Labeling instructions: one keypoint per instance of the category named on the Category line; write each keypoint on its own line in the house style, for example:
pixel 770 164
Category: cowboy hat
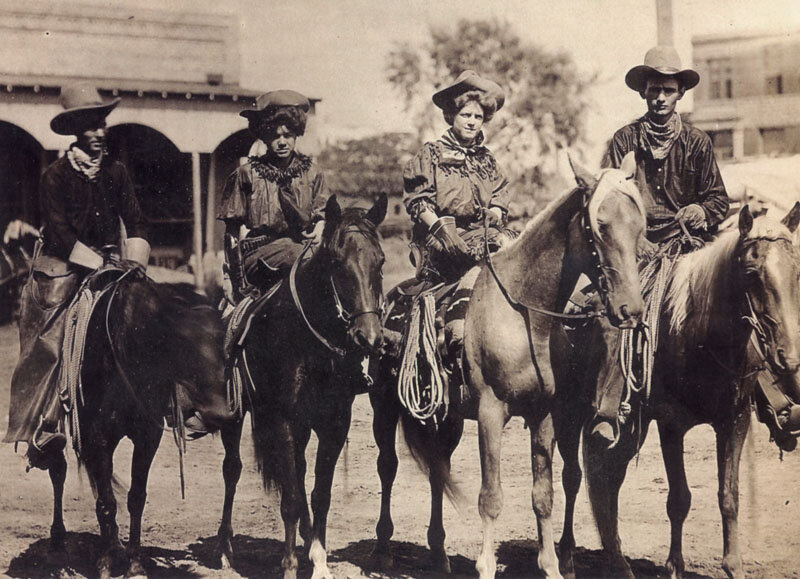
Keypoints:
pixel 80 101
pixel 664 61
pixel 277 99
pixel 467 81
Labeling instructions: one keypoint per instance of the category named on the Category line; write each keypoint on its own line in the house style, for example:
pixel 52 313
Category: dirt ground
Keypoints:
pixel 179 534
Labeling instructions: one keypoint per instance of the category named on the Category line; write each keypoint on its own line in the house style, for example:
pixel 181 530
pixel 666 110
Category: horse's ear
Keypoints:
pixel 378 211
pixel 745 221
pixel 584 179
pixel 792 218
pixel 628 165
pixel 333 214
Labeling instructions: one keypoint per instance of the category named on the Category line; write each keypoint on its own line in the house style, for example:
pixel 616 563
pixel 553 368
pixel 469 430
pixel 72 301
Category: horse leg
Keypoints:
pixel 231 433
pixel 144 450
pixel 386 412
pixel 58 474
pixel 730 441
pixel 447 438
pixel 568 438
pixel 491 420
pixel 679 499
pixel 100 466
pixel 331 442
pixel 302 437
pixel 542 445
pixel 284 445
pixel 605 473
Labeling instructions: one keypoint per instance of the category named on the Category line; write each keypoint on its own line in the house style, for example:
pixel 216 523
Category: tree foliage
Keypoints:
pixel 546 96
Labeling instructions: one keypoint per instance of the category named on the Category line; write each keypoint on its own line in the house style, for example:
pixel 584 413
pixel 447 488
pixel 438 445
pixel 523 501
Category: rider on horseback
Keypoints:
pixel 676 173
pixel 453 186
pixel 272 203
pixel 84 197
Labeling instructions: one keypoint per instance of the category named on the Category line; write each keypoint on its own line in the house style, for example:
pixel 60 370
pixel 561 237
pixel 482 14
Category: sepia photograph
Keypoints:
pixel 400 289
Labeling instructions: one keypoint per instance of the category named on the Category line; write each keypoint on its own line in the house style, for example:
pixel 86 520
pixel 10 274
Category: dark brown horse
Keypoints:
pixel 730 313
pixel 145 342
pixel 304 354
pixel 594 229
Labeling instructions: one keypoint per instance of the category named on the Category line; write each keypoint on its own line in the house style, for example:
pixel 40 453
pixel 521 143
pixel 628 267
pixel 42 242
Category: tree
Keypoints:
pixel 546 96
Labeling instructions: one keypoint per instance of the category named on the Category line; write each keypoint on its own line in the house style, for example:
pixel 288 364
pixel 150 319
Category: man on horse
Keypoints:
pixel 88 202
pixel 678 177
pixel 273 203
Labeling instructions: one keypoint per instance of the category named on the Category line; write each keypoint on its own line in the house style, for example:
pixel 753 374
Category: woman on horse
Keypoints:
pixel 453 184
pixel 84 198
pixel 272 203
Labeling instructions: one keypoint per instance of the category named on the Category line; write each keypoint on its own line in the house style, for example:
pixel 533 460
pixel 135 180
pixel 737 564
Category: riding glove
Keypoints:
pixel 444 231
pixel 693 216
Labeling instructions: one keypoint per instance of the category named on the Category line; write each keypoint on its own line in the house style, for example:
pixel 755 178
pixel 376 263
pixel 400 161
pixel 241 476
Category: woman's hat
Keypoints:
pixel 664 61
pixel 80 101
pixel 467 81
pixel 277 99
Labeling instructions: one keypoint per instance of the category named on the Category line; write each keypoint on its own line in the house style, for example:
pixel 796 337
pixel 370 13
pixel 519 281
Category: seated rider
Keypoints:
pixel 273 203
pixel 84 196
pixel 676 171
pixel 453 184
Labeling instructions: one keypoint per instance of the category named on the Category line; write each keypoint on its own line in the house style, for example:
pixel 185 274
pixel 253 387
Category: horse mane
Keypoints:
pixel 599 195
pixel 707 272
pixel 353 218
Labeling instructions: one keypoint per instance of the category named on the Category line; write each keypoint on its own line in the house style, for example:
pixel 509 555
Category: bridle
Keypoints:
pixel 599 267
pixel 349 318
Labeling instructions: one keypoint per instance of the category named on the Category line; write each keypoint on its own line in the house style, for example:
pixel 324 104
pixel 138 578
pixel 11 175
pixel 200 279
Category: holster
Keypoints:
pixel 233 256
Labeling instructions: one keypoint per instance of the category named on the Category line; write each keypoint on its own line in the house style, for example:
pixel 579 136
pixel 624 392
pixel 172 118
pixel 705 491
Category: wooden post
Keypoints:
pixel 211 204
pixel 666 36
pixel 197 218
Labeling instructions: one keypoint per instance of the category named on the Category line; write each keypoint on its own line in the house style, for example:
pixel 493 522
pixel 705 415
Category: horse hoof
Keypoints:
pixel 135 570
pixel 440 563
pixel 225 562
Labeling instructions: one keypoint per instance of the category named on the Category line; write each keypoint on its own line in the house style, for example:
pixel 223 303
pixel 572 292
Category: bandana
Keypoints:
pixel 658 139
pixel 454 153
pixel 87 166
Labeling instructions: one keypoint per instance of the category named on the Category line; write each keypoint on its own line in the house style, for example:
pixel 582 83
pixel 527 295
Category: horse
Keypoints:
pixel 303 354
pixel 730 313
pixel 148 347
pixel 593 228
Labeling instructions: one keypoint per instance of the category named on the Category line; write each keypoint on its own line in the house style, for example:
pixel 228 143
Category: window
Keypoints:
pixel 723 143
pixel 720 78
pixel 775 84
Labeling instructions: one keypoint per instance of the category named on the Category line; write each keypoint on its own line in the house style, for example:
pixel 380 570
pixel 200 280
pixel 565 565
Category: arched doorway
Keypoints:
pixel 22 161
pixel 224 160
pixel 162 176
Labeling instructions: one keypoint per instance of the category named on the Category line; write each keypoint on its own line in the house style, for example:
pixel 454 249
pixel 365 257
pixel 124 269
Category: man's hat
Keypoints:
pixel 277 99
pixel 467 81
pixel 661 60
pixel 80 100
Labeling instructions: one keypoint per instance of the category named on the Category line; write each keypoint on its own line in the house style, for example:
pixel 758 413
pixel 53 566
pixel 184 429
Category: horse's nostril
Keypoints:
pixel 623 310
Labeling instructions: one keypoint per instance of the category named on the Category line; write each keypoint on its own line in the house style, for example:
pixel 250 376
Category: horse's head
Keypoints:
pixel 769 268
pixel 613 221
pixel 350 241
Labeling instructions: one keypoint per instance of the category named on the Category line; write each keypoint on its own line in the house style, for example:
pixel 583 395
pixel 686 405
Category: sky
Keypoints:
pixel 337 50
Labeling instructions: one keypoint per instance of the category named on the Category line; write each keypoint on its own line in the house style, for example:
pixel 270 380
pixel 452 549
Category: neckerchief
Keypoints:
pixel 454 153
pixel 84 164
pixel 658 139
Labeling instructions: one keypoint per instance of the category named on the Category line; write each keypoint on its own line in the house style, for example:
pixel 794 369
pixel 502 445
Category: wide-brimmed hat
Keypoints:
pixel 467 81
pixel 277 99
pixel 80 100
pixel 661 60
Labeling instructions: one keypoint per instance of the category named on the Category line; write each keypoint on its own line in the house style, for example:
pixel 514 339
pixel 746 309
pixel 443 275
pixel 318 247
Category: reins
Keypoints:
pixel 521 306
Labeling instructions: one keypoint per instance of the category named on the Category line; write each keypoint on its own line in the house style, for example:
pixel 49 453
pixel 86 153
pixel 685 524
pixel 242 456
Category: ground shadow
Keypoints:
pixel 410 560
pixel 251 557
pixel 80 556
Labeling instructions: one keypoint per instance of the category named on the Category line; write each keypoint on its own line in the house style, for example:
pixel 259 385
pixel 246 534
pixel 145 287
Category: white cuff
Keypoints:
pixel 84 255
pixel 138 250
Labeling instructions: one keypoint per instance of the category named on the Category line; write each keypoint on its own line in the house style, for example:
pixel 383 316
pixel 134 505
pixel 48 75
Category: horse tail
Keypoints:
pixel 431 447
pixel 267 451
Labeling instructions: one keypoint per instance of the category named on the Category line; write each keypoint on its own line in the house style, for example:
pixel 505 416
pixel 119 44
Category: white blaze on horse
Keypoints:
pixel 730 320
pixel 515 304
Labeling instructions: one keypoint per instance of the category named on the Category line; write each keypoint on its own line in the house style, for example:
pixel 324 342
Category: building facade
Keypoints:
pixel 177 127
pixel 749 97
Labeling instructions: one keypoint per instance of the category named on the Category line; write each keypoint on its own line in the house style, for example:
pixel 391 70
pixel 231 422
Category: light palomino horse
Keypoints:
pixel 507 356
pixel 705 371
